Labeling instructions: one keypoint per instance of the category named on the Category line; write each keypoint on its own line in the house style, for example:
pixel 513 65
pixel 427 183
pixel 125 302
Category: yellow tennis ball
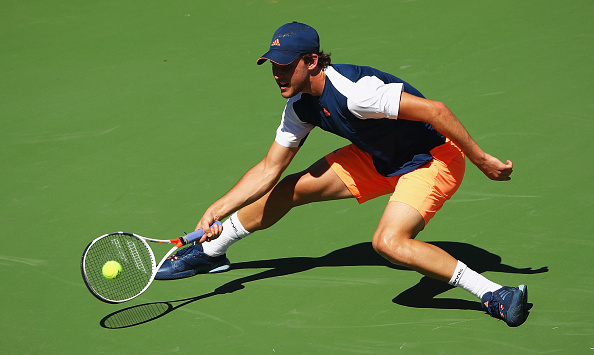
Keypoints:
pixel 112 270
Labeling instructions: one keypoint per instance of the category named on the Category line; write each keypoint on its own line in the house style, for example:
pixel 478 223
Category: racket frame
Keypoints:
pixel 179 242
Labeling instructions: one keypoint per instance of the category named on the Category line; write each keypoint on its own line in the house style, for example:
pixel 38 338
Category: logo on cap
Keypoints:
pixel 276 43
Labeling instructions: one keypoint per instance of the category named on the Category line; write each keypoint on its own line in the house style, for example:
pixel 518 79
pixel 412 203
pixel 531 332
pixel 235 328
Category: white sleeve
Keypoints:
pixel 292 131
pixel 372 98
pixel 369 97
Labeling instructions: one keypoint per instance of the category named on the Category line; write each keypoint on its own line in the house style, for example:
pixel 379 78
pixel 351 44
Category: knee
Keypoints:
pixel 394 248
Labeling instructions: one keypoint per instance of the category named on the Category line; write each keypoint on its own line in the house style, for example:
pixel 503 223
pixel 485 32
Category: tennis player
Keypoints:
pixel 402 144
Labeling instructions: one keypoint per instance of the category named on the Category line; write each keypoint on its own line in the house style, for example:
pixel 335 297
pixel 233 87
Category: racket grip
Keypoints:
pixel 195 235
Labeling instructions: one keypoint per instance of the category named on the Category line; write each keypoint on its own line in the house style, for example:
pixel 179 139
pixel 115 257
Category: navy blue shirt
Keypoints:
pixel 361 104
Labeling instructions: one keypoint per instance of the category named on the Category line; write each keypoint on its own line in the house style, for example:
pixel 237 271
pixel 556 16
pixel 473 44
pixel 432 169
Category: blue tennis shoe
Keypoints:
pixel 508 303
pixel 191 261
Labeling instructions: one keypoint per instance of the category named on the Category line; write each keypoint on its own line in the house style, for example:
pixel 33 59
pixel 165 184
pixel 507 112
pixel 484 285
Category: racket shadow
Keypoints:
pixel 421 295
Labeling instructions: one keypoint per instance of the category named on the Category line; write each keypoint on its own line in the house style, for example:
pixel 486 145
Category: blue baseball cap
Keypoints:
pixel 290 41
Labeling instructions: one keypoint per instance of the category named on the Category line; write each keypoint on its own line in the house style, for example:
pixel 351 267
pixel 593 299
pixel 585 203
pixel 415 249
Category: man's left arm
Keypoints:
pixel 444 121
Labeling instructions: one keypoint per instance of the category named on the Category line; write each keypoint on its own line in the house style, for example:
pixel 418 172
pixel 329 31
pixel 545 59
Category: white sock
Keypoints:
pixel 472 281
pixel 233 231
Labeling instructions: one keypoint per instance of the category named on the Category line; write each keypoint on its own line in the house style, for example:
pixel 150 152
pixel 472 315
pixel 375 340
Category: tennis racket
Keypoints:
pixel 137 262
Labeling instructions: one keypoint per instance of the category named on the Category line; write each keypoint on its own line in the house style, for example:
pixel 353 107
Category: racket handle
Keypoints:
pixel 195 235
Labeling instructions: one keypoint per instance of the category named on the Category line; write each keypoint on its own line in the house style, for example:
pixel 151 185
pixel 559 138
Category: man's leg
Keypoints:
pixel 317 183
pixel 394 240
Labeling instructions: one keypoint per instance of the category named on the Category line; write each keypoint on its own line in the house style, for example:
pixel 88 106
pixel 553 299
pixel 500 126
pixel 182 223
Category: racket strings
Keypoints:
pixel 131 253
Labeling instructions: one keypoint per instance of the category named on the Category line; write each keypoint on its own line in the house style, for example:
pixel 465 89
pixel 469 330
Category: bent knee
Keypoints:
pixel 393 248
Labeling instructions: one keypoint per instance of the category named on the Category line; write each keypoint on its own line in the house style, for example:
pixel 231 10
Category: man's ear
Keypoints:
pixel 314 62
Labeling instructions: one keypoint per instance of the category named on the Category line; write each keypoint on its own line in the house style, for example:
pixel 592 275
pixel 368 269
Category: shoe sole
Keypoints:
pixel 192 272
pixel 221 268
pixel 216 270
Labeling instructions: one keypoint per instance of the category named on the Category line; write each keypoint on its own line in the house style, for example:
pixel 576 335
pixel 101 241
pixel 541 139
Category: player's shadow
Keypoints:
pixel 422 295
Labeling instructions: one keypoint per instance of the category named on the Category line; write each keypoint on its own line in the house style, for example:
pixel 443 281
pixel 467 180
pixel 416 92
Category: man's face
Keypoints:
pixel 291 78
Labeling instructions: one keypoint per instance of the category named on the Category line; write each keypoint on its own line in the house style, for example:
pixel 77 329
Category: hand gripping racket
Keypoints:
pixel 137 261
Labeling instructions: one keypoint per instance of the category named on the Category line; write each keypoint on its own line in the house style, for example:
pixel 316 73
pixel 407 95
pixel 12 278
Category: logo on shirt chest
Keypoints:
pixel 326 113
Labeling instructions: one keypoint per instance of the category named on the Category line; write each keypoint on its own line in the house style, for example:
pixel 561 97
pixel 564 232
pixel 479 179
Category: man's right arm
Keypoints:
pixel 254 184
pixel 445 122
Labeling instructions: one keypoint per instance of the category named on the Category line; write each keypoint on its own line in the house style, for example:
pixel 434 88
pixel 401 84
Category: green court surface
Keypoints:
pixel 136 115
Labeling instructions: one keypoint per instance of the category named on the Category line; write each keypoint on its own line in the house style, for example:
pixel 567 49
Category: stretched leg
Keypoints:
pixel 317 183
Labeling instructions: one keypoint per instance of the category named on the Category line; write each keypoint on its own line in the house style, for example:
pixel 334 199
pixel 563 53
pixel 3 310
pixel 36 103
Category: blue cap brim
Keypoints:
pixel 278 57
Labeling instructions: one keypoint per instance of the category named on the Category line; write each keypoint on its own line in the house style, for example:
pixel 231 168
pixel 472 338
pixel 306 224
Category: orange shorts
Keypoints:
pixel 426 189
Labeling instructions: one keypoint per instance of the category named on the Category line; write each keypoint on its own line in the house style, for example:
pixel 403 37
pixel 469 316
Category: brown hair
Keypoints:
pixel 324 59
